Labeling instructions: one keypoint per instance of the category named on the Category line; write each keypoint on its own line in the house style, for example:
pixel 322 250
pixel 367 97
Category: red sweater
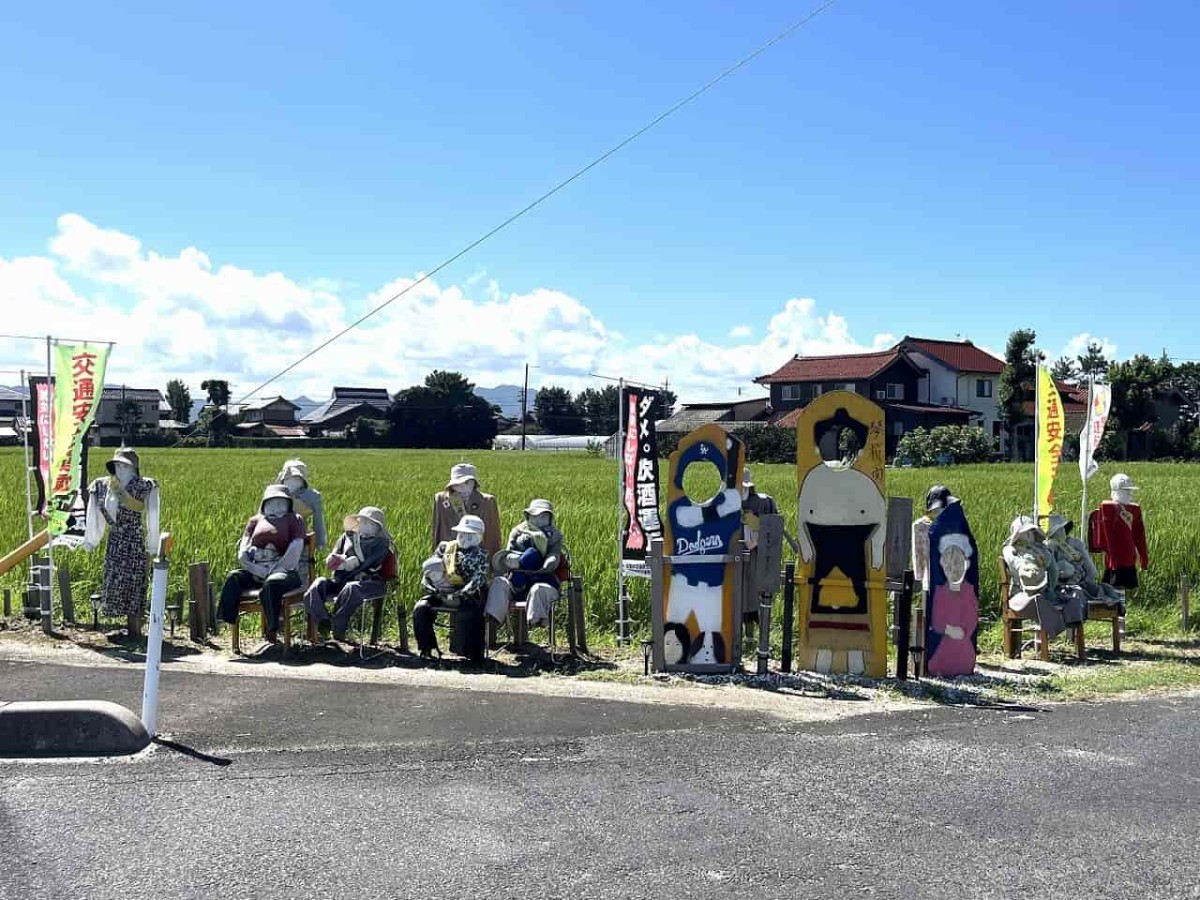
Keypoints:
pixel 1119 532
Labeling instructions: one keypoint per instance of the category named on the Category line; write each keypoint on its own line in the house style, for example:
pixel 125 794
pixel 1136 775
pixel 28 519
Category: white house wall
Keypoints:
pixel 948 387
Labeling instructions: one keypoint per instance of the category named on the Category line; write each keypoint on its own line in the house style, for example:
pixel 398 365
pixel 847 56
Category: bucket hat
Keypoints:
pixel 461 474
pixel 124 455
pixel 470 525
pixel 537 507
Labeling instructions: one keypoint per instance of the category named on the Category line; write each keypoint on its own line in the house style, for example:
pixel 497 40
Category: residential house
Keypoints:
pixel 736 414
pixel 345 407
pixel 961 375
pixel 891 378
pixel 273 418
pixel 144 411
pixel 11 415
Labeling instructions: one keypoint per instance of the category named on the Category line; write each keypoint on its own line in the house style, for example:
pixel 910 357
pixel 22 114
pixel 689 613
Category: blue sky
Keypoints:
pixel 929 169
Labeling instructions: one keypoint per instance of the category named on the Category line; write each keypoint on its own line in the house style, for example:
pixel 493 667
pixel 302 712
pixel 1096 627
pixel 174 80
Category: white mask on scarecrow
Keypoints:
pixel 368 528
pixel 124 473
pixel 276 507
pixel 294 484
pixel 541 520
pixel 469 541
pixel 464 488
pixel 955 552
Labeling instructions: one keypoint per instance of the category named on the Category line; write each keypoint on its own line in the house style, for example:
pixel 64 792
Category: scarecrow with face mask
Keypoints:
pixel 118 503
pixel 455 577
pixel 269 555
pixel 306 499
pixel 528 566
pixel 1076 570
pixel 462 497
pixel 1033 578
pixel 356 563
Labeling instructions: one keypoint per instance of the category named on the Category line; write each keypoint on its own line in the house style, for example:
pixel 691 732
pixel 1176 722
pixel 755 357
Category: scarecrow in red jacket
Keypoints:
pixel 1118 531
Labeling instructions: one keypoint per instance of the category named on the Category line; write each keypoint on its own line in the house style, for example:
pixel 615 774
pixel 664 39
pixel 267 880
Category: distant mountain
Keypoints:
pixel 306 404
pixel 505 396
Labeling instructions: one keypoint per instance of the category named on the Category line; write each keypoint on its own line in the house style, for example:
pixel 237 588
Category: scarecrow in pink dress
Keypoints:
pixel 953 613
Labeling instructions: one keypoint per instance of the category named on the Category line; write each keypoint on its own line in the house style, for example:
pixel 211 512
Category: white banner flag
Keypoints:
pixel 1093 430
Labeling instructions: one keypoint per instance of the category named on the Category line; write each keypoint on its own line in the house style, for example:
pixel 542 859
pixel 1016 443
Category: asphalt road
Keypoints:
pixel 298 789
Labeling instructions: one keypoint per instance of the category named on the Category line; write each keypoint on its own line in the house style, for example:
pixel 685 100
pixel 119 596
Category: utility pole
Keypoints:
pixel 524 405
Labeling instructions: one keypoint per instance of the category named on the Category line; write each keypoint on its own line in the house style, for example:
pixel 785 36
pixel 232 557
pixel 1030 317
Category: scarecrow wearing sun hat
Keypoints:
pixel 306 498
pixel 462 497
pixel 1033 576
pixel 528 566
pixel 455 577
pixel 127 506
pixel 356 566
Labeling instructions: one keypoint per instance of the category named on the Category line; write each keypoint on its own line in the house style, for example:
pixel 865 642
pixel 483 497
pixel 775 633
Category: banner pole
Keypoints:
pixel 621 425
pixel 1037 436
pixel 48 596
pixel 1083 471
pixel 26 392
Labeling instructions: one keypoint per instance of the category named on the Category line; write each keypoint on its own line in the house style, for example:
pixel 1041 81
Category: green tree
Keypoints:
pixel 128 415
pixel 600 409
pixel 1092 361
pixel 556 411
pixel 444 412
pixel 1064 369
pixel 665 405
pixel 218 392
pixel 179 398
pixel 1017 383
pixel 1135 385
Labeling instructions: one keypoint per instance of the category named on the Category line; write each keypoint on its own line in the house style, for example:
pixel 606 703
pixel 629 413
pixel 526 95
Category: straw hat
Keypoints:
pixel 537 507
pixel 372 514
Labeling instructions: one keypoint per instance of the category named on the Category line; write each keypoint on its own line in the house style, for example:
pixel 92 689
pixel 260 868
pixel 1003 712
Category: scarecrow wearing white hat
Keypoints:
pixel 1033 578
pixel 1118 531
pixel 118 503
pixel 455 577
pixel 1076 570
pixel 307 499
pixel 462 497
pixel 269 556
pixel 356 564
pixel 527 566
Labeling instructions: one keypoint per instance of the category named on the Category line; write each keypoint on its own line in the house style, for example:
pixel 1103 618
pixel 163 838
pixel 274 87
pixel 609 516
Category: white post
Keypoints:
pixel 1083 506
pixel 621 610
pixel 158 603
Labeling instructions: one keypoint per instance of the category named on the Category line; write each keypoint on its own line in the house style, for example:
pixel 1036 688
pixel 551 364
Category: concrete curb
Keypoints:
pixel 69 728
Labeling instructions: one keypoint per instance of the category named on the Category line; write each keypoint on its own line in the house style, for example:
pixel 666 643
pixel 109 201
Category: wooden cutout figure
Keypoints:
pixel 840 578
pixel 699 631
pixel 952 604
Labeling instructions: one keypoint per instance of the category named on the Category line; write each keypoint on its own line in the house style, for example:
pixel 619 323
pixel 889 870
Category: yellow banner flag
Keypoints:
pixel 1051 428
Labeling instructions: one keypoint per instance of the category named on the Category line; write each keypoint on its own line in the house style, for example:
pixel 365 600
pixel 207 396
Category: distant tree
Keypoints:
pixel 556 411
pixel 444 412
pixel 1135 385
pixel 179 398
pixel 1093 361
pixel 1064 369
pixel 600 409
pixel 1017 382
pixel 665 405
pixel 128 415
pixel 218 392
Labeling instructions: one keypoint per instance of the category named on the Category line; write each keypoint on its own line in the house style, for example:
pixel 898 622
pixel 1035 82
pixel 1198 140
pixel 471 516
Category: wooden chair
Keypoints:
pixel 1012 625
pixel 570 593
pixel 292 600
pixel 1110 614
pixel 378 605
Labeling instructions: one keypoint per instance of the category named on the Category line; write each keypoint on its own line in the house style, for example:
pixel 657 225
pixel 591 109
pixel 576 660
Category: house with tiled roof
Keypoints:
pixel 345 407
pixel 962 375
pixel 892 378
pixel 733 414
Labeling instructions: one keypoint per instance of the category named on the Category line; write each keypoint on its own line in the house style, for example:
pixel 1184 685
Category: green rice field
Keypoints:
pixel 209 494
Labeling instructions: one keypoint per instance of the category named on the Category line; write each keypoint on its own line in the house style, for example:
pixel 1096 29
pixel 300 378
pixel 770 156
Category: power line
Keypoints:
pixel 795 26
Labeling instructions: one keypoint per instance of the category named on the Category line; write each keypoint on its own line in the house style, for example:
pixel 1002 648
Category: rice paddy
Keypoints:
pixel 209 494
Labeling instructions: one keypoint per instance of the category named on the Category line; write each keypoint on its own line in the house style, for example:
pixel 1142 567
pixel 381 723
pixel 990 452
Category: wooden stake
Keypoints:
pixel 64 593
pixel 199 594
pixel 7 603
pixel 1185 601
pixel 789 614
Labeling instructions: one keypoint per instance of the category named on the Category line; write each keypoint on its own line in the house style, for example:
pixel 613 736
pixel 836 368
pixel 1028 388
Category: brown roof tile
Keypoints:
pixel 960 355
pixel 845 367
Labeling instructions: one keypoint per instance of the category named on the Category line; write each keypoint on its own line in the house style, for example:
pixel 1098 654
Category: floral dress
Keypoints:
pixel 126 559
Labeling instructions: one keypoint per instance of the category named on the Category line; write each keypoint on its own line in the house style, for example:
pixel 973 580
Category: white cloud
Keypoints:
pixel 187 316
pixel 1077 346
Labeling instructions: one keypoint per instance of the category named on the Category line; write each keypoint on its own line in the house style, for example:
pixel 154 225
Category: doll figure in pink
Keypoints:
pixel 955 610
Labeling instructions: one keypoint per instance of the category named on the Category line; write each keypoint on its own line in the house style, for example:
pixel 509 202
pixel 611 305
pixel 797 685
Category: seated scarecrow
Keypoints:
pixel 528 568
pixel 456 577
pixel 356 564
